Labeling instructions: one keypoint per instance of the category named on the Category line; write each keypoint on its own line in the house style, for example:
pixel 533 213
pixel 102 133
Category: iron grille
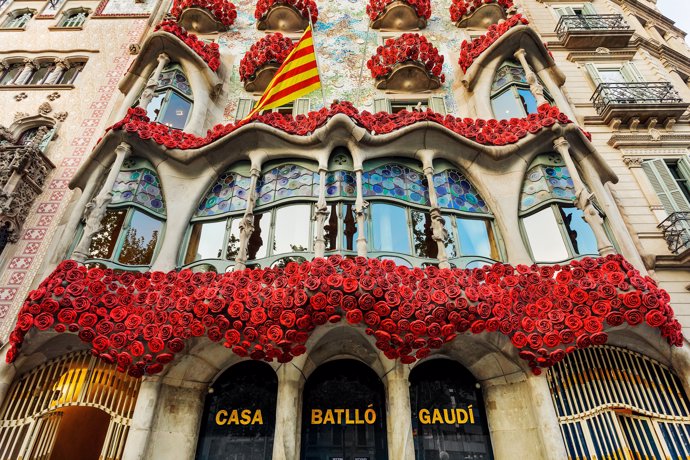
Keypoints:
pixel 634 93
pixel 598 22
pixel 676 230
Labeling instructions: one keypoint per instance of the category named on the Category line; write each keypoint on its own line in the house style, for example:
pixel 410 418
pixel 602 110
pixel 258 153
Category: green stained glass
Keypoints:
pixel 547 179
pixel 140 186
pixel 287 181
pixel 454 191
pixel 396 181
pixel 228 194
pixel 341 184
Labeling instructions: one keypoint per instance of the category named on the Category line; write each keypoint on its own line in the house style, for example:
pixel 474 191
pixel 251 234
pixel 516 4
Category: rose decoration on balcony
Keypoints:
pixel 409 63
pixel 260 63
pixel 469 51
pixel 479 13
pixel 399 14
pixel 209 52
pixel 285 15
pixel 486 132
pixel 142 320
pixel 205 16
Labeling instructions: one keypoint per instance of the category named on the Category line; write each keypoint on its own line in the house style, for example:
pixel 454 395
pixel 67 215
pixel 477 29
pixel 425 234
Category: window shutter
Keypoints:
pixel 593 74
pixel 438 104
pixel 665 186
pixel 565 11
pixel 588 9
pixel 630 73
pixel 382 105
pixel 244 107
pixel 301 106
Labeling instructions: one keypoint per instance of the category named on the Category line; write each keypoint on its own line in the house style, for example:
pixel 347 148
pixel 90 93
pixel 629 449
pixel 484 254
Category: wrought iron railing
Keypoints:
pixel 676 230
pixel 634 93
pixel 597 22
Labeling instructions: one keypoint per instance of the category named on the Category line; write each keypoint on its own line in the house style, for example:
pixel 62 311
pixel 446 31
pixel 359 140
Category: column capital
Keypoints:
pixel 633 162
pixel 123 149
pixel 561 143
pixel 62 63
pixel 520 54
pixel 164 59
pixel 30 63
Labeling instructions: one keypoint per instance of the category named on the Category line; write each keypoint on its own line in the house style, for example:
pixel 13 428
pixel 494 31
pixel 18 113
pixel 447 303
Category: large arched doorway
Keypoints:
pixel 240 414
pixel 448 418
pixel 344 413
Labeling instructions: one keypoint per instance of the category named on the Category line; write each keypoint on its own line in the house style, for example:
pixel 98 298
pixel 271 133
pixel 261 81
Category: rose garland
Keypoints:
pixel 273 48
pixel 224 11
pixel 141 320
pixel 469 51
pixel 303 6
pixel 460 8
pixel 407 47
pixel 488 132
pixel 209 52
pixel 376 7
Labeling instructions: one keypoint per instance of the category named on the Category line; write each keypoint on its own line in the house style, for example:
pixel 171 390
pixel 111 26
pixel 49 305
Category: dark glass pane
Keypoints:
pixel 40 74
pixel 11 74
pixel 529 102
pixel 344 413
pixel 257 248
pixel 451 246
pixel 476 238
pixel 448 419
pixel 28 136
pixel 580 233
pixel 389 228
pixel 176 112
pixel 350 233
pixel 330 228
pixel 206 241
pixel 233 248
pixel 70 75
pixel 140 240
pixel 291 229
pixel 506 105
pixel 103 243
pixel 240 415
pixel 422 235
pixel 153 110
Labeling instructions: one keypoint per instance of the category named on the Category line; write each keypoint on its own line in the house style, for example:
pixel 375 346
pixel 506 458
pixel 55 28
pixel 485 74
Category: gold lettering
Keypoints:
pixel 462 416
pixel 469 409
pixel 358 420
pixel 234 418
pixel 221 417
pixel 348 421
pixel 316 416
pixel 328 418
pixel 446 418
pixel 339 413
pixel 246 417
pixel 436 416
pixel 424 416
pixel 258 418
pixel 370 415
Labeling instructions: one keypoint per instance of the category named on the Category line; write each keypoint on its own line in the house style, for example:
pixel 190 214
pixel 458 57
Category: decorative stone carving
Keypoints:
pixel 633 162
pixel 61 116
pixel 20 97
pixel 261 79
pixel 134 49
pixel 282 17
pixel 320 216
pixel 152 83
pixel 603 50
pixel 61 67
pixel 399 15
pixel 44 109
pixel 409 77
pixel 20 115
pixel 247 224
pixel 53 96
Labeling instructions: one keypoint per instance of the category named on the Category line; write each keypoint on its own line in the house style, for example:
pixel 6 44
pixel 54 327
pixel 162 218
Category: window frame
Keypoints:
pixel 13 20
pixel 67 18
pixel 11 82
pixel 515 87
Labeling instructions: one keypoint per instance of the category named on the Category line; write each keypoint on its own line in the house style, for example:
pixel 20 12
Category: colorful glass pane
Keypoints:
pixel 228 194
pixel 454 191
pixel 140 186
pixel 396 181
pixel 548 179
pixel 341 184
pixel 287 181
pixel 176 78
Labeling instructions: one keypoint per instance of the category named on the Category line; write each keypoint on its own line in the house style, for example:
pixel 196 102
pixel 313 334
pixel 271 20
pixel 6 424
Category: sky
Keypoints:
pixel 678 11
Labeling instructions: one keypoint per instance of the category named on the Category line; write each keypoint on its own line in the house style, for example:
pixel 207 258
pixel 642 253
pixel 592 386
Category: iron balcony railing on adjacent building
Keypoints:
pixel 676 230
pixel 641 101
pixel 593 30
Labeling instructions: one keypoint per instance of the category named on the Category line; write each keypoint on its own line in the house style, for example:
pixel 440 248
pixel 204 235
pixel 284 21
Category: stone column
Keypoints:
pixel 25 74
pixel 584 200
pixel 361 212
pixel 96 209
pixel 320 216
pixel 152 83
pixel 142 420
pixel 438 223
pixel 61 67
pixel 7 374
pixel 546 417
pixel 534 85
pixel 247 222
pixel 399 416
pixel 286 443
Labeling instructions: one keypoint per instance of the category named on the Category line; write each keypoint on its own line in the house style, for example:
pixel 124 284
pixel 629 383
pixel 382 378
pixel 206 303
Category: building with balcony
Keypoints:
pixel 473 243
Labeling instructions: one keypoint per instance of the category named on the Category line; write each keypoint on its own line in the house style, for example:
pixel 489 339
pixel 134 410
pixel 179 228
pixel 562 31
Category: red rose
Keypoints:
pixel 43 321
pixel 634 317
pixel 655 318
pixel 519 339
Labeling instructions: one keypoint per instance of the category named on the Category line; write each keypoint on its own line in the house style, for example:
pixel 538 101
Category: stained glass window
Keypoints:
pixel 229 193
pixel 396 181
pixel 287 181
pixel 341 184
pixel 547 179
pixel 138 183
pixel 454 191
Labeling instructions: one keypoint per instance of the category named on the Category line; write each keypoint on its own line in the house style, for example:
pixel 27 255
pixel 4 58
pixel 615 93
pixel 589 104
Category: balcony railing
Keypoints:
pixel 676 230
pixel 634 94
pixel 587 22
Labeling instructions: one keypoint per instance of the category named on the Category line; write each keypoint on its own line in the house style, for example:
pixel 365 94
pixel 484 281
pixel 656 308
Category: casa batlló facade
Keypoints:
pixel 473 244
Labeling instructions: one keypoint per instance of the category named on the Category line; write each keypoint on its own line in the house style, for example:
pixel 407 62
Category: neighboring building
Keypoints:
pixel 495 231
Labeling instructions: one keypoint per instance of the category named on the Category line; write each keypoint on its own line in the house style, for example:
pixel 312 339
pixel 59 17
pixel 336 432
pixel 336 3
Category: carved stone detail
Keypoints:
pixel 61 116
pixel 633 162
pixel 152 83
pixel 53 96
pixel 20 97
pixel 44 109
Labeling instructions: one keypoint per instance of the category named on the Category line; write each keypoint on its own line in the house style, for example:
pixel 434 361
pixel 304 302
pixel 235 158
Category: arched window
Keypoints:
pixel 172 100
pixel 41 73
pixel 11 73
pixel 28 137
pixel 611 400
pixel 73 18
pixel 448 417
pixel 240 414
pixel 75 405
pixel 134 220
pixel 18 19
pixel 340 227
pixel 70 75
pixel 344 413
pixel 554 227
pixel 510 92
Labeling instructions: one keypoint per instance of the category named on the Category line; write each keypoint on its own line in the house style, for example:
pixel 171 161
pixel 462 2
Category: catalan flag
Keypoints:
pixel 298 76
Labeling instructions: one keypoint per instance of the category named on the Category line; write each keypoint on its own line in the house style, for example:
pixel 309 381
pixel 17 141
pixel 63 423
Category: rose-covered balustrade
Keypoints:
pixel 285 15
pixel 260 63
pixel 204 16
pixel 209 52
pixel 479 13
pixel 408 63
pixel 399 14
pixel 142 320
pixel 469 51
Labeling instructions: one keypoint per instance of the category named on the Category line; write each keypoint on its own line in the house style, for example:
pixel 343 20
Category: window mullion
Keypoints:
pixel 122 237
pixel 562 228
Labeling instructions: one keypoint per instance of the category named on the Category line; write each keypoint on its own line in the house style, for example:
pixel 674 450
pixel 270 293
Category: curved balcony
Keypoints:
pixel 399 15
pixel 593 31
pixel 205 16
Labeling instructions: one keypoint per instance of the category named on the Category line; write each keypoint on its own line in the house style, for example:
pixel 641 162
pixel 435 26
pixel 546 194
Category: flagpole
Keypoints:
pixel 316 56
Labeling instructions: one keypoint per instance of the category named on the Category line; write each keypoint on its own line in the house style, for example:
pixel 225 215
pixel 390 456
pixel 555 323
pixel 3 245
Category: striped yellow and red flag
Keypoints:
pixel 298 76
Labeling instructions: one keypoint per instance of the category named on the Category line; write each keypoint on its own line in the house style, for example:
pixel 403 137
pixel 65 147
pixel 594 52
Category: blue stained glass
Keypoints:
pixel 454 191
pixel 548 179
pixel 229 193
pixel 341 184
pixel 287 181
pixel 396 181
pixel 139 186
